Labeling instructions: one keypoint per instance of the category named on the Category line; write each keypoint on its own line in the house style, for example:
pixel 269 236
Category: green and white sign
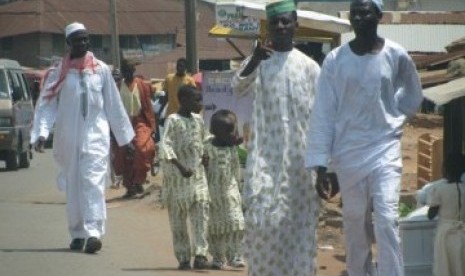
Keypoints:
pixel 232 16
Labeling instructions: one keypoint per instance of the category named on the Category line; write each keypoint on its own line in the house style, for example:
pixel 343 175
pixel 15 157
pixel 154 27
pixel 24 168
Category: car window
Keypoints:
pixel 24 86
pixel 27 86
pixel 3 85
pixel 16 86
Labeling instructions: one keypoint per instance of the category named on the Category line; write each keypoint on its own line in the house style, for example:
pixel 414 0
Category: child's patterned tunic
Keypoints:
pixel 223 176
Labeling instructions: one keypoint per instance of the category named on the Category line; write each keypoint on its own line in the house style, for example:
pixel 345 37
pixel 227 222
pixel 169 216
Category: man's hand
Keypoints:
pixel 39 145
pixel 130 149
pixel 186 172
pixel 261 52
pixel 326 184
pixel 205 159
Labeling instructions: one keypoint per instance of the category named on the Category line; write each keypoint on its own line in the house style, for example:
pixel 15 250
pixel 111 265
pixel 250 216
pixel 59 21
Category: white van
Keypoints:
pixel 16 115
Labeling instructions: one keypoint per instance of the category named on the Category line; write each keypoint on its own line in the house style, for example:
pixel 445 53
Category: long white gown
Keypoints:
pixel 279 195
pixel 360 107
pixel 85 109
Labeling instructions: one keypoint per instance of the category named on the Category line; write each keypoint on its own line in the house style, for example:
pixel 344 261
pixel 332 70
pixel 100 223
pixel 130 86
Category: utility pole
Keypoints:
pixel 115 55
pixel 191 35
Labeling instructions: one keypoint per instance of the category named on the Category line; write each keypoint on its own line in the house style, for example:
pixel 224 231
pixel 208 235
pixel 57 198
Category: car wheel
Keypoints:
pixel 12 160
pixel 24 159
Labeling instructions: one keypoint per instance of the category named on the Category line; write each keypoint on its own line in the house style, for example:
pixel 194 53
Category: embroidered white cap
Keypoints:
pixel 74 27
pixel 379 4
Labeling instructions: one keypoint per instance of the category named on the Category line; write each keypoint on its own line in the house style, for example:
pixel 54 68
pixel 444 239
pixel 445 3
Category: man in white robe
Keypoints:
pixel 281 203
pixel 366 90
pixel 80 97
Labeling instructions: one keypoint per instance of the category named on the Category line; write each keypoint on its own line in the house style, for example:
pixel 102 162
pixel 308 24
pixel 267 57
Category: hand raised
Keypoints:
pixel 261 52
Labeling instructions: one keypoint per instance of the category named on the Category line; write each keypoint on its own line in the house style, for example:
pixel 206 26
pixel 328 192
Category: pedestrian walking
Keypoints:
pixel 80 97
pixel 279 196
pixel 185 188
pixel 367 89
pixel 173 82
pixel 226 225
pixel 135 161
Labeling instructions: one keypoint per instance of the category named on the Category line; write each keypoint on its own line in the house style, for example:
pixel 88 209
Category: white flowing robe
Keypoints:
pixel 87 105
pixel 360 107
pixel 279 195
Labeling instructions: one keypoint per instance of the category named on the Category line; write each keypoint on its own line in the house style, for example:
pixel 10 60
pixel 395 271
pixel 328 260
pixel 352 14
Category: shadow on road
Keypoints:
pixel 175 269
pixel 48 203
pixel 38 250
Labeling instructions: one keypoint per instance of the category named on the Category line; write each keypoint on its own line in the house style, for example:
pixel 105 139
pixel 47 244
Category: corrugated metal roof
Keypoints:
pixel 134 17
pixel 430 61
pixel 445 93
pixel 51 16
pixel 458 45
pixel 418 37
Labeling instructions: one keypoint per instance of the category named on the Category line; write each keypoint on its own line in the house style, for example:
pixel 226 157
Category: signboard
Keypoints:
pixel 232 16
pixel 218 94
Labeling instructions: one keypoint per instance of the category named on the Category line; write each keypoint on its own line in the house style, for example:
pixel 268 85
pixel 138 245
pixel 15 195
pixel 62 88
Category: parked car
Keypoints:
pixel 16 115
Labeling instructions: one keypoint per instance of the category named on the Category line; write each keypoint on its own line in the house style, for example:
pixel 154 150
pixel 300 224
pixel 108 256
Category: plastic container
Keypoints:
pixel 417 234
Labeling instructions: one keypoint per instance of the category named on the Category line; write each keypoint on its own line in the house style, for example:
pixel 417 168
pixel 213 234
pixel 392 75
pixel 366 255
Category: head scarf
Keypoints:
pixel 279 7
pixel 88 61
pixel 74 27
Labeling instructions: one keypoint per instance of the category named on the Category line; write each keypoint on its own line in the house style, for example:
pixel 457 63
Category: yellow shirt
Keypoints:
pixel 130 99
pixel 171 87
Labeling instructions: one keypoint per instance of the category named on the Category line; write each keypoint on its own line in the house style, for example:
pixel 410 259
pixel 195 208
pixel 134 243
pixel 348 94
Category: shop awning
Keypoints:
pixel 313 26
pixel 307 19
pixel 224 32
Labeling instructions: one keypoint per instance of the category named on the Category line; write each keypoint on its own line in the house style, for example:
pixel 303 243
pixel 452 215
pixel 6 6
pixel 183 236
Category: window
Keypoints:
pixel 96 41
pixel 18 86
pixel 3 86
pixel 149 44
pixel 25 85
pixel 58 44
pixel 7 43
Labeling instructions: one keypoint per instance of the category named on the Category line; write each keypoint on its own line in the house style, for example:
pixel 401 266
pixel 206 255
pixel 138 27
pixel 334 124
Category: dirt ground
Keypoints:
pixel 331 255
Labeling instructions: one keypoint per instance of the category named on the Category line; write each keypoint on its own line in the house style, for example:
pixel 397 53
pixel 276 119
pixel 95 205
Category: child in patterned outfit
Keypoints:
pixel 226 226
pixel 185 184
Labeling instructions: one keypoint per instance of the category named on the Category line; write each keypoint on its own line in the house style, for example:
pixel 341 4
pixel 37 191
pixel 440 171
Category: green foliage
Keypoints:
pixel 405 209
pixel 242 155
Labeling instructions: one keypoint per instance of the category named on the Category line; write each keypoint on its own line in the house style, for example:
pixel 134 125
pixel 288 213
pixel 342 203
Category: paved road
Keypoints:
pixel 34 238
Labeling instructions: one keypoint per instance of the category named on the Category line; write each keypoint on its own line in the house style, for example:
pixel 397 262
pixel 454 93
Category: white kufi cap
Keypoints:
pixel 74 27
pixel 379 4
